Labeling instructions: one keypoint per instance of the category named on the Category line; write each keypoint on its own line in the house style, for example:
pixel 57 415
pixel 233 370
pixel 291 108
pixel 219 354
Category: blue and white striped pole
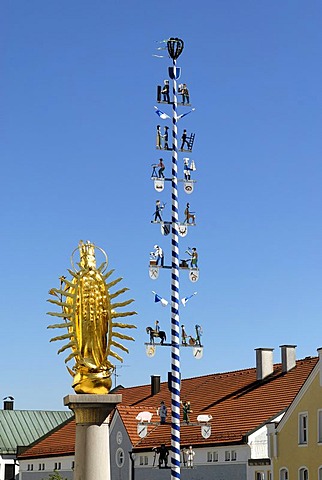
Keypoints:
pixel 175 325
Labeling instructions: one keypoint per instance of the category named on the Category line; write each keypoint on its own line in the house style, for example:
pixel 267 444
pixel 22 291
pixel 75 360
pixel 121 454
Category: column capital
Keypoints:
pixel 92 409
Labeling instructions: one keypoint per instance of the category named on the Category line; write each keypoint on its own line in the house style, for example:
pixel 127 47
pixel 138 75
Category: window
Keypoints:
pixel 259 476
pixel 283 474
pixel 119 457
pixel 233 455
pixel 212 456
pixel 227 456
pixel 320 473
pixel 57 466
pixel 41 466
pixel 320 426
pixel 303 474
pixel 30 466
pixel 303 428
pixel 73 465
pixel 141 459
pixel 9 471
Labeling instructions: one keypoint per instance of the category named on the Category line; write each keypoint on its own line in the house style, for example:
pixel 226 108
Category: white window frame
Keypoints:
pixel 209 457
pixel 227 455
pixel 320 473
pixel 303 428
pixel 303 473
pixel 259 475
pixel 233 455
pixel 120 457
pixel 319 426
pixel 215 456
pixel 283 475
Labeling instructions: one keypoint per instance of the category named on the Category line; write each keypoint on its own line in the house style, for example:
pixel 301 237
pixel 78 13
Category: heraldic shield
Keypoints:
pixel 205 431
pixel 174 73
pixel 182 230
pixel 165 228
pixel 197 352
pixel 188 186
pixel 153 272
pixel 159 185
pixel 150 350
pixel 194 274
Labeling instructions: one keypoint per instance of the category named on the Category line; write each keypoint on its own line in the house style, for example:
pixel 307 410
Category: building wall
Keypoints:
pixel 5 461
pixel 289 453
pixel 120 446
pixel 199 472
pixel 41 468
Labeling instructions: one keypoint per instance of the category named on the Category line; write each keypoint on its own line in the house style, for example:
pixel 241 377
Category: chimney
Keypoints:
pixel 288 357
pixel 8 403
pixel 264 362
pixel 155 384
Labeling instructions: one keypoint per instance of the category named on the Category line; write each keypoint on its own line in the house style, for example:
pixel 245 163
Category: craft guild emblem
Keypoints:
pixel 159 185
pixel 205 431
pixel 150 350
pixel 182 230
pixel 142 430
pixel 188 187
pixel 165 229
pixel 194 275
pixel 153 272
pixel 197 352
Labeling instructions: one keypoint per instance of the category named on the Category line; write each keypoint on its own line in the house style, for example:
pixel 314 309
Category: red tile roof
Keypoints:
pixel 237 402
pixel 60 441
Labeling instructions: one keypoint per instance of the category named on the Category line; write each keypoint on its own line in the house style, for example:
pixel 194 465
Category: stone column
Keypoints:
pixel 92 445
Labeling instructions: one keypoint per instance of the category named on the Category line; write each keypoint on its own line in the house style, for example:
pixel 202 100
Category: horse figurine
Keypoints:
pixel 154 334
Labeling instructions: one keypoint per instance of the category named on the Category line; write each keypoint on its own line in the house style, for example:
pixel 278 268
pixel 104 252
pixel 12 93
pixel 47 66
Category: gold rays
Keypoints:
pixel 88 315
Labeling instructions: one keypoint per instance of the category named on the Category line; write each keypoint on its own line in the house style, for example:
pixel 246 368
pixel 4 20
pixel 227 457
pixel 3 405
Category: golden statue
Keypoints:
pixel 89 316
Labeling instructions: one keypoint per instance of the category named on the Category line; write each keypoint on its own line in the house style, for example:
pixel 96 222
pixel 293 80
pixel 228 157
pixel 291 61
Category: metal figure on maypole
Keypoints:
pixel 178 228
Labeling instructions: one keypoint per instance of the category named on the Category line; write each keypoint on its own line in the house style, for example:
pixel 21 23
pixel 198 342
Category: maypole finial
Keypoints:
pixel 175 47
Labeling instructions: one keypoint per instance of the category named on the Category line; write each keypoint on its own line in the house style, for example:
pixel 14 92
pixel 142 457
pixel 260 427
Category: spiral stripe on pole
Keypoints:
pixel 175 326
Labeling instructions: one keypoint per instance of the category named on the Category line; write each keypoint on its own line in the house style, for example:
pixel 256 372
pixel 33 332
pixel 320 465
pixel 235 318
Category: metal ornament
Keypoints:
pixel 165 228
pixel 182 230
pixel 197 352
pixel 194 275
pixel 159 185
pixel 174 73
pixel 188 187
pixel 142 430
pixel 175 47
pixel 150 350
pixel 206 431
pixel 153 272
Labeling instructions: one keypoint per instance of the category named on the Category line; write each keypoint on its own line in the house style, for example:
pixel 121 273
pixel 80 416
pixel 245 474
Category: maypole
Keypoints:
pixel 175 47
pixel 177 228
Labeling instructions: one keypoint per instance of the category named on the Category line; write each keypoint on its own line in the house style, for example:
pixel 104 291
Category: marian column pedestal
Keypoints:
pixel 92 445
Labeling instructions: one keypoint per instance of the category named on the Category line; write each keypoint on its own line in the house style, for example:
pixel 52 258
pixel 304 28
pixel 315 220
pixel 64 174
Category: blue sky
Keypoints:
pixel 77 90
